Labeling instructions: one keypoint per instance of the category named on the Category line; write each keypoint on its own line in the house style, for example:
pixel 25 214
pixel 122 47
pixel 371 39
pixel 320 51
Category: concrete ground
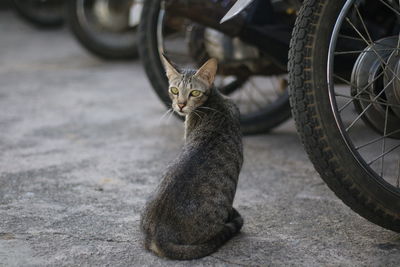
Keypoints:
pixel 82 146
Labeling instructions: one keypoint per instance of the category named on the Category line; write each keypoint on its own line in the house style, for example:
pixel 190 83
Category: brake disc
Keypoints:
pixel 371 86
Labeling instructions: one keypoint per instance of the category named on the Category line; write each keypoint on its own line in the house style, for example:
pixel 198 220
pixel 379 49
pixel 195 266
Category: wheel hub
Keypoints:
pixel 374 84
pixel 391 80
pixel 113 16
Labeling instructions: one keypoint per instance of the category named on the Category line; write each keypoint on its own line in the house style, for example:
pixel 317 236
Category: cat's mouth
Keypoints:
pixel 181 112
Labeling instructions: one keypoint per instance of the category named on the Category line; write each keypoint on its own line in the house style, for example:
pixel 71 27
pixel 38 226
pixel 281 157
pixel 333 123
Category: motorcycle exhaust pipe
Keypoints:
pixel 272 40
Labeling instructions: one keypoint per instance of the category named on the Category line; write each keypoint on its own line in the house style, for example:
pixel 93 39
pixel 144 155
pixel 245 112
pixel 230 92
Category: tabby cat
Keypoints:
pixel 191 215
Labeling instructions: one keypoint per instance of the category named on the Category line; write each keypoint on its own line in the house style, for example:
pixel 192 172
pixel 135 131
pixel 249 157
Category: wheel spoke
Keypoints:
pixel 238 98
pixel 390 7
pixel 252 99
pixel 368 100
pixel 344 80
pixel 361 91
pixel 383 154
pixel 363 51
pixel 398 176
pixel 398 45
pixel 274 88
pixel 350 37
pixel 361 40
pixel 357 31
pixel 398 40
pixel 382 61
pixel 363 23
pixel 384 140
pixel 369 105
pixel 377 139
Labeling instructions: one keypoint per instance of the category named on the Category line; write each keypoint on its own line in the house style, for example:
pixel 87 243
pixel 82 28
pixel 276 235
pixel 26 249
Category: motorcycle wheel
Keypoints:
pixel 44 14
pixel 263 118
pixel 360 163
pixel 98 32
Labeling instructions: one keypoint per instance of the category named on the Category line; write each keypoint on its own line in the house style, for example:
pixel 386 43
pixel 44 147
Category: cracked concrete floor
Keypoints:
pixel 82 145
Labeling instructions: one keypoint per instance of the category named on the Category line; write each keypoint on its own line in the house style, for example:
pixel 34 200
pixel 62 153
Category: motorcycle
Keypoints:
pixel 106 28
pixel 251 72
pixel 344 85
pixel 344 90
pixel 42 13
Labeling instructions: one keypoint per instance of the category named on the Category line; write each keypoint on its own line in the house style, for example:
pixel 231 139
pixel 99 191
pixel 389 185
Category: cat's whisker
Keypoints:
pixel 165 114
pixel 170 115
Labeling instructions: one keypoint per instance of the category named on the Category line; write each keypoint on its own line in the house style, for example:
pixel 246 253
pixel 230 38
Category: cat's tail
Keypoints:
pixel 188 252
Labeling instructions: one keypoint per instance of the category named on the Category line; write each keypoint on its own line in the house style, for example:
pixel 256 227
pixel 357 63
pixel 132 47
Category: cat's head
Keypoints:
pixel 189 90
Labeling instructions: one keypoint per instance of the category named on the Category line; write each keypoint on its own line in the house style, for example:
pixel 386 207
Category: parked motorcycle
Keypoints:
pixel 345 95
pixel 106 28
pixel 344 78
pixel 42 13
pixel 252 72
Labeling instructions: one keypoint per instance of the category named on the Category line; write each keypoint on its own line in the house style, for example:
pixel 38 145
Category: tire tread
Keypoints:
pixel 309 125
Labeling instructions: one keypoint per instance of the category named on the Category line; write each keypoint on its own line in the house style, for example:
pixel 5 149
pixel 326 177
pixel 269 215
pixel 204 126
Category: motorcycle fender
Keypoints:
pixel 238 7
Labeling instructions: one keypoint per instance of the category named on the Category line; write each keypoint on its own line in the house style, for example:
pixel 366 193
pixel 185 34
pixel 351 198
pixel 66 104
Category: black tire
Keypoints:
pixel 92 41
pixel 260 122
pixel 42 16
pixel 358 187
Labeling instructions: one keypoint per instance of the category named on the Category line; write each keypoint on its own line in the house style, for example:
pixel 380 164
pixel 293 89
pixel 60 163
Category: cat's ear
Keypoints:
pixel 208 71
pixel 170 70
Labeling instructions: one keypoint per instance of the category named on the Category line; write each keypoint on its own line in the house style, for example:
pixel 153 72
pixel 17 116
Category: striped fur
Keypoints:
pixel 190 215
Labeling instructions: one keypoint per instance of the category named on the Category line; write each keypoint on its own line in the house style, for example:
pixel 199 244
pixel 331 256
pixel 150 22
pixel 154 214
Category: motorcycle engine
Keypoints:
pixel 232 52
pixel 226 49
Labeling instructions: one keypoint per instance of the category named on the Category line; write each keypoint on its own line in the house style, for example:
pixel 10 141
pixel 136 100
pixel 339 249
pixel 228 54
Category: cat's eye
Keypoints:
pixel 174 90
pixel 195 93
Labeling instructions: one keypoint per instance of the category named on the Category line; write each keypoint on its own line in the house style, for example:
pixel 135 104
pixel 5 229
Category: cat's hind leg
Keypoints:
pixel 169 249
pixel 235 218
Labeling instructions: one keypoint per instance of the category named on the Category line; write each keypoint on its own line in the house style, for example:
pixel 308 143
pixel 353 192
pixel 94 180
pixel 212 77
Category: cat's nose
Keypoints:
pixel 181 105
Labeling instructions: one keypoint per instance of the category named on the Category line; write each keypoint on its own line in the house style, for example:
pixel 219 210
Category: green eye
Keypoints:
pixel 195 93
pixel 174 90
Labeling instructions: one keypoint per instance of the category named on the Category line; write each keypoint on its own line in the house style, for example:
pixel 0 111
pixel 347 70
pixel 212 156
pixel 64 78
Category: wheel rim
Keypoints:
pixel 113 27
pixel 255 95
pixel 373 143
